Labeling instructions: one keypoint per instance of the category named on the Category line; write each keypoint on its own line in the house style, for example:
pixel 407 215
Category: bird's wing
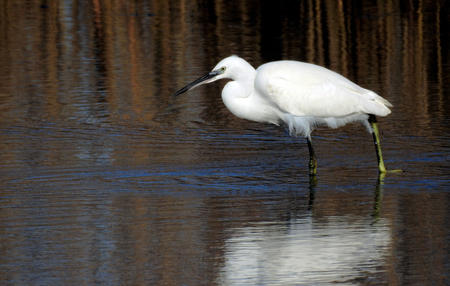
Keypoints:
pixel 303 89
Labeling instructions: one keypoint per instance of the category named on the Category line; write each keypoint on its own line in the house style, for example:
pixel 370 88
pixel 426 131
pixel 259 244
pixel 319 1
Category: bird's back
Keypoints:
pixel 303 89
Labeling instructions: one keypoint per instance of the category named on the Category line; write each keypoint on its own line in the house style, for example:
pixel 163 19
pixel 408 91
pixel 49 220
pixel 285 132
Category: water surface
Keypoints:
pixel 107 179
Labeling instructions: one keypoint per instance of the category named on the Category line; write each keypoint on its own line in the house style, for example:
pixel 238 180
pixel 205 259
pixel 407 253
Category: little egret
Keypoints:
pixel 298 94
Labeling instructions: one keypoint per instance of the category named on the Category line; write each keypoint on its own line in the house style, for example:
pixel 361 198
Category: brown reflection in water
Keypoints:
pixel 117 63
pixel 138 53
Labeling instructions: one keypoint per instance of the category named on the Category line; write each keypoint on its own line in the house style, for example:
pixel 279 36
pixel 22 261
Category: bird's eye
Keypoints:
pixel 222 69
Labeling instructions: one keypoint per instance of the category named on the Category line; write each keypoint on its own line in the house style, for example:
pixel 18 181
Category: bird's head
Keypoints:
pixel 231 67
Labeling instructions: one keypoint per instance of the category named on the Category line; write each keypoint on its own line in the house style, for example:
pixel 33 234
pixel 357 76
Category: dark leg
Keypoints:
pixel 312 158
pixel 376 141
pixel 312 190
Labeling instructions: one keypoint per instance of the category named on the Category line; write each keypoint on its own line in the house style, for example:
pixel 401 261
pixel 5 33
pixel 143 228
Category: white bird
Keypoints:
pixel 298 94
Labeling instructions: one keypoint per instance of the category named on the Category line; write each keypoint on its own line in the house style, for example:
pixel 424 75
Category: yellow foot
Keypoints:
pixel 385 172
pixel 394 171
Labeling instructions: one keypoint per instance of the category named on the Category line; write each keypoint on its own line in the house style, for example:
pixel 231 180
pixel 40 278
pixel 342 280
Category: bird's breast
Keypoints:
pixel 248 105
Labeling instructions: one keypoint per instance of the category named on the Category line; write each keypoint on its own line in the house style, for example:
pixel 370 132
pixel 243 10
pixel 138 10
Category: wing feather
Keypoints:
pixel 303 89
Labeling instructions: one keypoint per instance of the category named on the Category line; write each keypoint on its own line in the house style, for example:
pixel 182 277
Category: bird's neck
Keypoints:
pixel 246 85
pixel 245 80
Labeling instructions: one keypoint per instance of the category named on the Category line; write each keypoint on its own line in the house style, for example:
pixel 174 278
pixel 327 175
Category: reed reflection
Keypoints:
pixel 112 43
pixel 101 183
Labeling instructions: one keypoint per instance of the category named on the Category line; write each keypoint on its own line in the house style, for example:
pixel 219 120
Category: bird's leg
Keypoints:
pixel 312 158
pixel 376 141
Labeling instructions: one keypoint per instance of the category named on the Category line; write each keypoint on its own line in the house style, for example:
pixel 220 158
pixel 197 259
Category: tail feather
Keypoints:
pixel 376 105
pixel 384 101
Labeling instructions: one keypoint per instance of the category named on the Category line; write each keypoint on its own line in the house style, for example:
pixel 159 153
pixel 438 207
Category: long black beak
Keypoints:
pixel 197 82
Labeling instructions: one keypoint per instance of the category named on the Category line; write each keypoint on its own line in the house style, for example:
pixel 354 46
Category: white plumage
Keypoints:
pixel 301 95
pixel 303 89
